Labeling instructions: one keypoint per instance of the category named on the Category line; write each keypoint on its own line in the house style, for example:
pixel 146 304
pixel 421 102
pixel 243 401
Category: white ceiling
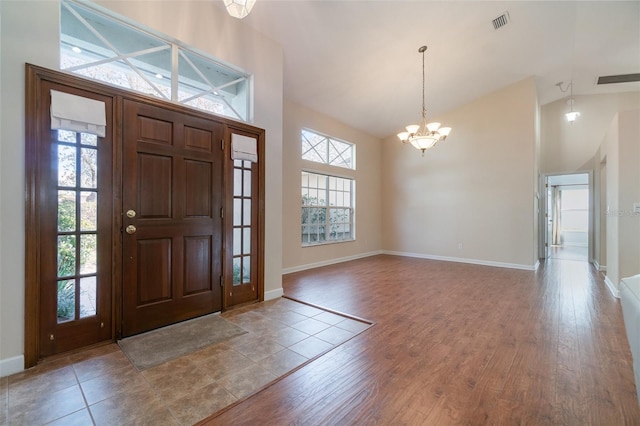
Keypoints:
pixel 358 60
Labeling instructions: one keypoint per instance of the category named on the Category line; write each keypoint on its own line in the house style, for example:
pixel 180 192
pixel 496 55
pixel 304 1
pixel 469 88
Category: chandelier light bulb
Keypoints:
pixel 572 116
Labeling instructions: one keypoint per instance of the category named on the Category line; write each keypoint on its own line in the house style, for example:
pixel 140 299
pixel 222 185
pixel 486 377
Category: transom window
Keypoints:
pixel 327 150
pixel 327 208
pixel 106 48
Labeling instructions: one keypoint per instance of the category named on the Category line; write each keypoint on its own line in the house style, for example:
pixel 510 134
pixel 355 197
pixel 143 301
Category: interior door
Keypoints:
pixel 172 225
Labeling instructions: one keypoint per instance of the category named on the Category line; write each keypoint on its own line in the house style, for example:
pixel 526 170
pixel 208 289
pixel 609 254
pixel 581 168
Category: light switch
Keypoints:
pixel 636 207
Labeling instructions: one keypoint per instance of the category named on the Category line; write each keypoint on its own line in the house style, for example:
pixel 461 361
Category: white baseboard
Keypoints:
pixel 11 366
pixel 329 262
pixel 273 294
pixel 464 260
pixel 611 287
pixel 601 268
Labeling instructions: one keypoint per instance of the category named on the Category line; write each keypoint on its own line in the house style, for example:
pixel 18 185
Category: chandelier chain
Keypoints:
pixel 424 108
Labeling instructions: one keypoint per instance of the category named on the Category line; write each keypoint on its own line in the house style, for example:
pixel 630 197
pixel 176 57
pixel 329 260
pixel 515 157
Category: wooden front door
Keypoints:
pixel 172 227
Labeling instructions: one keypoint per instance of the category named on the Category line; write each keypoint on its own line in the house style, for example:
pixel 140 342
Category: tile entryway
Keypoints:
pixel 100 386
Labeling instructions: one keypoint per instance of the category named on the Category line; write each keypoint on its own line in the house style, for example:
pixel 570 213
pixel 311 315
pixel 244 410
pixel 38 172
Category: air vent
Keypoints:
pixel 501 21
pixel 622 78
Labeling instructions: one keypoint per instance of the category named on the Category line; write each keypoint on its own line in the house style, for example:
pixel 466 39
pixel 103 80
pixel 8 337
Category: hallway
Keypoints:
pixel 566 252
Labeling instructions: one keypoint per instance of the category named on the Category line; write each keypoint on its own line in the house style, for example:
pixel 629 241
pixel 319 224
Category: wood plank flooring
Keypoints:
pixel 458 344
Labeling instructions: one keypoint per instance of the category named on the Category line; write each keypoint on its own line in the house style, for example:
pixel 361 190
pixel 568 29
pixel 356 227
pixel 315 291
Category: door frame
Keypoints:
pixel 34 77
pixel 543 252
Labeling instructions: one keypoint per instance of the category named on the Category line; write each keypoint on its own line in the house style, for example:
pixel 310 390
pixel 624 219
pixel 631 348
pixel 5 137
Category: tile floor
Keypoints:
pixel 101 387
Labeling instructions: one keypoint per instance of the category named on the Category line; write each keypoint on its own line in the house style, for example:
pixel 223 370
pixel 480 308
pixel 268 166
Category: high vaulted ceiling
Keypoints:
pixel 358 60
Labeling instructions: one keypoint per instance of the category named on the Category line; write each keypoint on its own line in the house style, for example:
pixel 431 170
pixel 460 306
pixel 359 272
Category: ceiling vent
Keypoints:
pixel 622 78
pixel 501 21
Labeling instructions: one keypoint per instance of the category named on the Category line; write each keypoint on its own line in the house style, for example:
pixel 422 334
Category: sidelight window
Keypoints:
pixel 77 233
pixel 242 226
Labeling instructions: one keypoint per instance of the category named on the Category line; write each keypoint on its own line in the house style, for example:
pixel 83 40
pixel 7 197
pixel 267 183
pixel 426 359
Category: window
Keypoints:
pixel 327 208
pixel 242 179
pixel 327 150
pixel 105 48
pixel 77 165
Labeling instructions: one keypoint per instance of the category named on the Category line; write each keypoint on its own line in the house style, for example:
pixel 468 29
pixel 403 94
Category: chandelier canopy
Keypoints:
pixel 239 8
pixel 424 135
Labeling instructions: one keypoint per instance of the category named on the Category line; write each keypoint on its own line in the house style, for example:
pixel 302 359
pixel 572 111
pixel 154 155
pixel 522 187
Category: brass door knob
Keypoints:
pixel 131 229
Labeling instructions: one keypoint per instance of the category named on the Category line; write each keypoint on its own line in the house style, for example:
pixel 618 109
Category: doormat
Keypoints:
pixel 158 346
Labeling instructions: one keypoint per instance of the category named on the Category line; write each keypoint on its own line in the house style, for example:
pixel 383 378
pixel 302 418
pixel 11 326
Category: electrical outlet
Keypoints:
pixel 459 246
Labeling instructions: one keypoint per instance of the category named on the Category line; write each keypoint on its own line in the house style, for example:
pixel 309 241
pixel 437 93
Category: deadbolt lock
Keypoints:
pixel 131 229
pixel 131 214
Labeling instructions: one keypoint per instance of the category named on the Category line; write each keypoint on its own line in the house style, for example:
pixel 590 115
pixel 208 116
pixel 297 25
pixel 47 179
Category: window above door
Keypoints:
pixel 104 47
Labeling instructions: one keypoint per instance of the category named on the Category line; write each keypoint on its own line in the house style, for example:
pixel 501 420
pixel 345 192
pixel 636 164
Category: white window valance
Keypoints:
pixel 244 148
pixel 78 114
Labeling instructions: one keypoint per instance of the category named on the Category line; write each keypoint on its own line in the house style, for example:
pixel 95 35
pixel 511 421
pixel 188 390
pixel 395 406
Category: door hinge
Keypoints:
pixel 221 280
pixel 222 144
pixel 221 212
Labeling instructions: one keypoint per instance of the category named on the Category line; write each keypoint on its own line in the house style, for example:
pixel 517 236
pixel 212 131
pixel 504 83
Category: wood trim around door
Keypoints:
pixel 35 76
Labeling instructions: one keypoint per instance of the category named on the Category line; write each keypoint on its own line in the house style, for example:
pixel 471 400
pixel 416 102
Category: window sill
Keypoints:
pixel 324 243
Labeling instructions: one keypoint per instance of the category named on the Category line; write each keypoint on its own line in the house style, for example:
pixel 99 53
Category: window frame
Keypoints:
pixel 194 95
pixel 327 207
pixel 326 158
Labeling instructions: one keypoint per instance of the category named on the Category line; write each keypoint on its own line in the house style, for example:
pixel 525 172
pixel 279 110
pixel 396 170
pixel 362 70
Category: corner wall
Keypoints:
pixel 472 197
pixel 623 189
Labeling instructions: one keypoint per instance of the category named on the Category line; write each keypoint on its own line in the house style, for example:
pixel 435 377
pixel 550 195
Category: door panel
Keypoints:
pixel 244 228
pixel 172 196
pixel 75 223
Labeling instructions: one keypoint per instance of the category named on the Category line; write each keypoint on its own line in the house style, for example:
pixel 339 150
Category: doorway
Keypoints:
pixel 126 227
pixel 568 218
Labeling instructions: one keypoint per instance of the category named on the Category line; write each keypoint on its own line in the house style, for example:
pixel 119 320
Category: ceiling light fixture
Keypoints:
pixel 572 115
pixel 239 8
pixel 425 135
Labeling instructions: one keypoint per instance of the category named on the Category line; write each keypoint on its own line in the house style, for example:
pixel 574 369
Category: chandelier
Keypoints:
pixel 239 8
pixel 572 115
pixel 424 135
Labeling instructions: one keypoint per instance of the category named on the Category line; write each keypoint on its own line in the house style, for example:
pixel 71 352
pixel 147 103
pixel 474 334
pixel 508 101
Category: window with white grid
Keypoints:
pixel 327 209
pixel 327 150
pixel 102 46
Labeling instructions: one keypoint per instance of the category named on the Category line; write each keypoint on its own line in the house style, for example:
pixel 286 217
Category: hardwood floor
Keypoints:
pixel 458 344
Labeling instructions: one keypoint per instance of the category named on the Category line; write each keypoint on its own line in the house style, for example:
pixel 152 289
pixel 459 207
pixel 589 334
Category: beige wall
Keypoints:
pixel 611 149
pixel 368 190
pixel 568 147
pixel 476 189
pixel 593 144
pixel 629 175
pixel 30 33
pixel 620 211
